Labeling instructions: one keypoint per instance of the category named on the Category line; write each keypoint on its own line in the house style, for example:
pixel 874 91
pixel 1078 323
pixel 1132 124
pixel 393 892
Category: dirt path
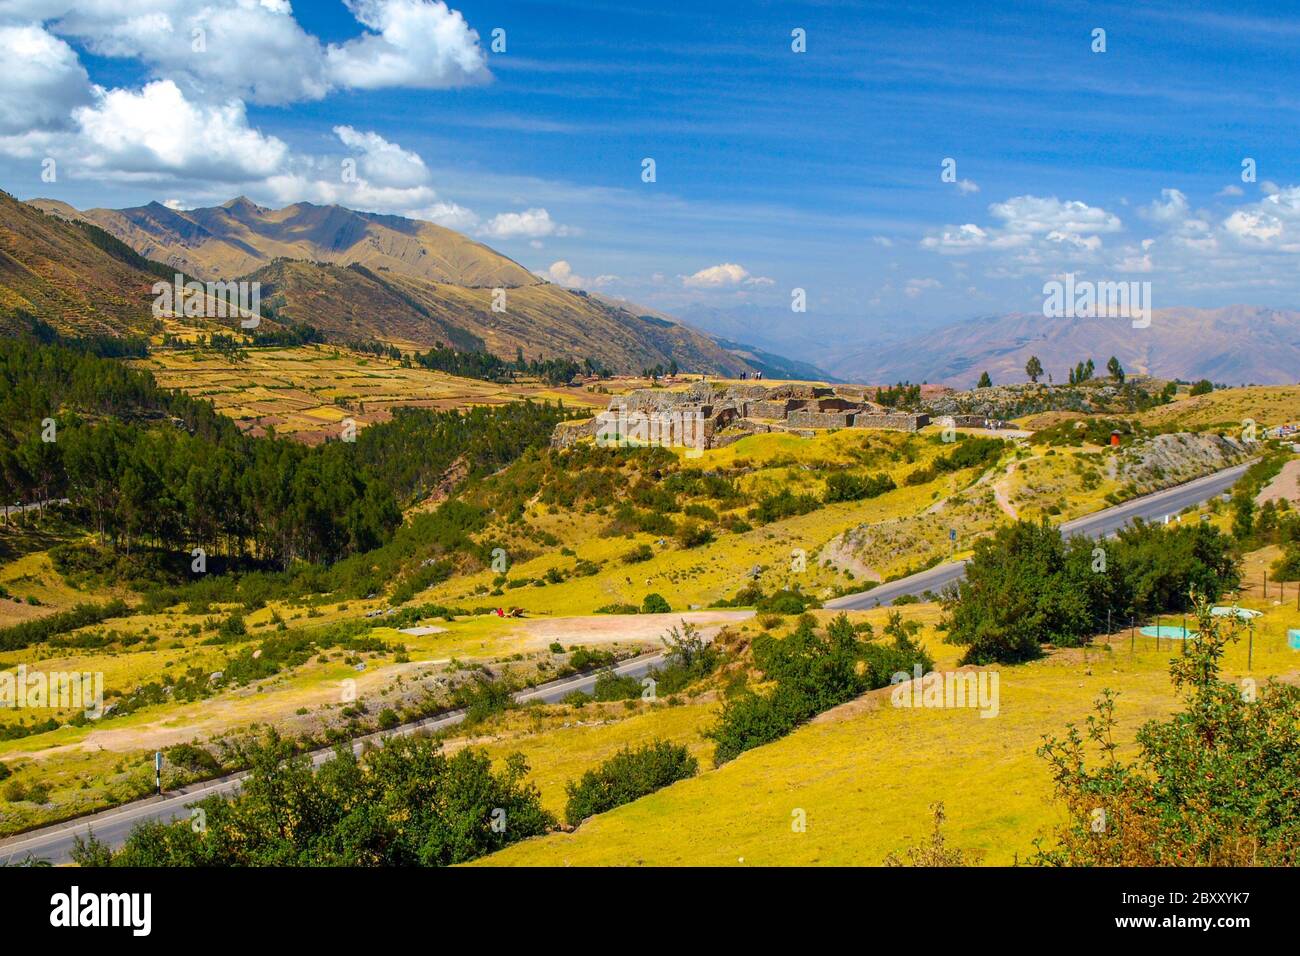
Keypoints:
pixel 1000 494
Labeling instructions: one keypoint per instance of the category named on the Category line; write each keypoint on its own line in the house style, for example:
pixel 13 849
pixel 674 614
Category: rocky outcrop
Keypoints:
pixel 1171 459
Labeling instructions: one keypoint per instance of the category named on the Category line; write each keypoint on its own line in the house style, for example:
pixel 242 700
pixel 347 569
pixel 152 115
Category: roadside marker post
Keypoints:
pixel 157 769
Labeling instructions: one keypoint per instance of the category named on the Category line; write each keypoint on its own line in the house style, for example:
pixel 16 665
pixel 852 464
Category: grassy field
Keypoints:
pixel 1266 405
pixel 306 392
pixel 866 773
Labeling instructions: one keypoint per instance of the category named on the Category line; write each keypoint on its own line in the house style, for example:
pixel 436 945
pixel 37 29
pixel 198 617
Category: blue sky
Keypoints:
pixel 774 169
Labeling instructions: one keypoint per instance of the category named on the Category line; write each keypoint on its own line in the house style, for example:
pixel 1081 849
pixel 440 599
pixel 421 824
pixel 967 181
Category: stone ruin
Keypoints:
pixel 706 415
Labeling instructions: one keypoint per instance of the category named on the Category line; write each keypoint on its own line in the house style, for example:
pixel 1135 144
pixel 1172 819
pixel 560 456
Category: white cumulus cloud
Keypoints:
pixel 414 44
pixel 722 276
pixel 43 81
pixel 529 224
pixel 157 130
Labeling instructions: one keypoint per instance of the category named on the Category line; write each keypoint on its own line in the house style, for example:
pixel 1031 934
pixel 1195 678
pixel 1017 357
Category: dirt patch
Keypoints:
pixel 1285 484
pixel 620 628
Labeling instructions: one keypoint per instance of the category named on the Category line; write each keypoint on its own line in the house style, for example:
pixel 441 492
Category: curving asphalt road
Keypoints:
pixel 55 843
pixel 1101 524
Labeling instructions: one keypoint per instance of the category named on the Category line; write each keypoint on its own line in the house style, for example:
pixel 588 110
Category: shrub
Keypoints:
pixel 483 697
pixel 1287 567
pixel 618 609
pixel 785 602
pixel 784 504
pixel 627 776
pixel 655 604
pixel 192 758
pixel 43 628
pixel 843 486
pixel 692 534
pixel 688 658
pixel 584 659
pixel 611 686
pixel 935 852
pixel 642 552
pixel 403 804
pixel 967 453
pixel 813 672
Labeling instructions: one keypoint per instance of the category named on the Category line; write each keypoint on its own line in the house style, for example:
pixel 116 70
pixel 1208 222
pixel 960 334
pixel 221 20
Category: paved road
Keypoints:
pixel 55 843
pixel 1101 524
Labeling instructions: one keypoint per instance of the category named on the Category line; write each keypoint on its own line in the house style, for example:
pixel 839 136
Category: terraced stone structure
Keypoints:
pixel 708 415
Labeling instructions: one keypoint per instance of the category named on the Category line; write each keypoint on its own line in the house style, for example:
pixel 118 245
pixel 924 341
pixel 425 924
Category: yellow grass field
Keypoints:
pixel 306 392
pixel 1229 408
pixel 865 774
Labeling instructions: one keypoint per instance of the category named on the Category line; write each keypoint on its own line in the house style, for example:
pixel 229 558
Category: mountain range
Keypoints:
pixel 363 276
pixel 1234 345
pixel 352 275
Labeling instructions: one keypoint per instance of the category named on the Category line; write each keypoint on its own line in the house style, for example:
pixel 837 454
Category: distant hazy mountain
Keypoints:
pixel 360 275
pixel 775 328
pixel 1237 344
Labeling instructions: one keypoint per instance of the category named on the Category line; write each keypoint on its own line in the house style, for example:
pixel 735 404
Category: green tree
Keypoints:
pixel 1033 368
pixel 985 381
pixel 1243 517
pixel 655 604
pixel 1115 369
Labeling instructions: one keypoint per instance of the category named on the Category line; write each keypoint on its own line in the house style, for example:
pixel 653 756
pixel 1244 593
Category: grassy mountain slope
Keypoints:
pixel 359 275
pixel 72 276
pixel 239 236
pixel 353 303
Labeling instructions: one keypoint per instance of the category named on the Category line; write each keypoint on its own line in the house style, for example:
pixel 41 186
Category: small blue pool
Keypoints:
pixel 1171 631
